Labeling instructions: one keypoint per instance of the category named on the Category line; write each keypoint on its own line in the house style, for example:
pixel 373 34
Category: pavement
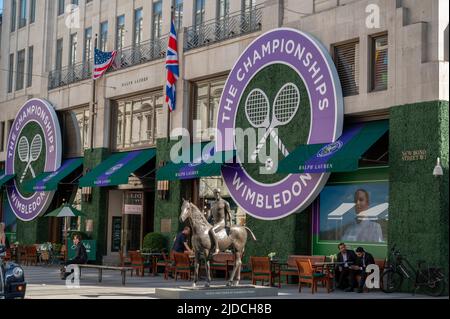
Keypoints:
pixel 44 282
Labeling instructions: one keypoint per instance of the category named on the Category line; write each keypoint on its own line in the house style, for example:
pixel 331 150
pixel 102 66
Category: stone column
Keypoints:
pixel 272 14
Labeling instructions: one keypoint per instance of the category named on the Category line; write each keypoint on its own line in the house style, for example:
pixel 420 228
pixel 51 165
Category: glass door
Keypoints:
pixel 133 208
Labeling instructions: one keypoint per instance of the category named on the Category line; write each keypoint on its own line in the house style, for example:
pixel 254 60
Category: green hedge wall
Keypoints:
pixel 97 209
pixel 287 236
pixel 36 231
pixel 167 208
pixel 418 212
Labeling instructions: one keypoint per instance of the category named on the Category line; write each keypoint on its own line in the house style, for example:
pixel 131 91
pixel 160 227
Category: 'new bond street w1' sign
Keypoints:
pixel 284 80
pixel 34 146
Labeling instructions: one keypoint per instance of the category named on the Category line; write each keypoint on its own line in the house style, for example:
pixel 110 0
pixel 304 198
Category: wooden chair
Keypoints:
pixel 44 257
pixel 183 265
pixel 31 255
pixel 168 263
pixel 136 262
pixel 124 260
pixel 222 262
pixel 262 270
pixel 291 269
pixel 307 274
pixel 7 255
pixel 21 254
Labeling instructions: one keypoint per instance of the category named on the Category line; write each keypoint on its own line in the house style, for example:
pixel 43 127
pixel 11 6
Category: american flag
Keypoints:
pixel 172 68
pixel 102 62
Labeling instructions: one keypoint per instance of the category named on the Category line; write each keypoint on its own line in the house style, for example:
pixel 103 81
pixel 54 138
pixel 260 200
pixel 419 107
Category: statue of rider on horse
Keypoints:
pixel 208 240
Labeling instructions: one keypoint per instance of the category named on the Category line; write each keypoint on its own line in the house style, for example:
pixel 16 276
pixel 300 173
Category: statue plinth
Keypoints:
pixel 216 292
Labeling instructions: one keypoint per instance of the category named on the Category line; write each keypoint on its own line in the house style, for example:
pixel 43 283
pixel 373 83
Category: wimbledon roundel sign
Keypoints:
pixel 34 146
pixel 284 80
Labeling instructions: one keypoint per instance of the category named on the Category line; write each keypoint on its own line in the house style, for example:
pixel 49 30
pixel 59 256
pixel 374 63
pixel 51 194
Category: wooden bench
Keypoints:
pixel 222 261
pixel 100 268
pixel 291 266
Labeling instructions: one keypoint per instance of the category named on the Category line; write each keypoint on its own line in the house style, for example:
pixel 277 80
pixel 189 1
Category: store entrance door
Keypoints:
pixel 132 211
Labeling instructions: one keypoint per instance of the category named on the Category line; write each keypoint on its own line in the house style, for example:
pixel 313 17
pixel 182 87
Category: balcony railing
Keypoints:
pixel 226 28
pixel 127 57
pixel 70 74
pixel 145 52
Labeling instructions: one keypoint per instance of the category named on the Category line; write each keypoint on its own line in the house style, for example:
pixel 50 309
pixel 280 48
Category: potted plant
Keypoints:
pixel 154 242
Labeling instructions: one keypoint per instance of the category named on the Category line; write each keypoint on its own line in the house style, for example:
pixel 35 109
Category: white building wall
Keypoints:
pixel 418 52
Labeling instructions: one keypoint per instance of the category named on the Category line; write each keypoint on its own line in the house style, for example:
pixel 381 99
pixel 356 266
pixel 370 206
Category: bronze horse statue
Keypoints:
pixel 202 242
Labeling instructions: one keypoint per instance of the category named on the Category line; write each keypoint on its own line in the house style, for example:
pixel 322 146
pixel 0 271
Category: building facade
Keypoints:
pixel 392 61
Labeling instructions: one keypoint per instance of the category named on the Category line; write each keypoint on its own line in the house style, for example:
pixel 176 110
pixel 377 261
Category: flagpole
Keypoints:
pixel 93 101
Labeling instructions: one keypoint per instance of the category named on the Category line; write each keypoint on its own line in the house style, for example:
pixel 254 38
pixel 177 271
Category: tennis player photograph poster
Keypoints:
pixel 354 212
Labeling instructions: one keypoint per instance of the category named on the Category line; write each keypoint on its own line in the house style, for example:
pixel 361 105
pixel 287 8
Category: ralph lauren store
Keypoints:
pixel 368 180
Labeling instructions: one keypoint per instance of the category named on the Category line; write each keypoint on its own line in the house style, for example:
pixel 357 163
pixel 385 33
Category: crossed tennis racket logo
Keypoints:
pixel 29 153
pixel 285 107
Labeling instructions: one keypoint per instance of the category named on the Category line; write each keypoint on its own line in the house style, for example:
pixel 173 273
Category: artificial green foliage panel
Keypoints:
pixel 169 208
pixel 30 233
pixel 418 212
pixel 97 208
pixel 287 236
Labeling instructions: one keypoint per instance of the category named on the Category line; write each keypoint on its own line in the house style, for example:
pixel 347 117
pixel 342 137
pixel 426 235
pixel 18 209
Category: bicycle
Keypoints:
pixel 430 279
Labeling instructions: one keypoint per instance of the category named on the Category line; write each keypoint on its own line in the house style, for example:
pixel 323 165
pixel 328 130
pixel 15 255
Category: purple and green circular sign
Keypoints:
pixel 34 146
pixel 285 79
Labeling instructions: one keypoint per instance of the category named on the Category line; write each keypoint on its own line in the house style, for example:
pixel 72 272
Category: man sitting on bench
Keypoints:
pixel 80 256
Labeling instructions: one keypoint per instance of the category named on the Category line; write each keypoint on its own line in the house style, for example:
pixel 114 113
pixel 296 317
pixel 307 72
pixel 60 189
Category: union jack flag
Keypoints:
pixel 172 68
pixel 102 62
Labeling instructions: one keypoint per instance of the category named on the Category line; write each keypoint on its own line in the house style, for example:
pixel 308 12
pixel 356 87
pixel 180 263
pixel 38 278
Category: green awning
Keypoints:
pixel 340 156
pixel 48 181
pixel 116 169
pixel 5 178
pixel 208 163
pixel 65 211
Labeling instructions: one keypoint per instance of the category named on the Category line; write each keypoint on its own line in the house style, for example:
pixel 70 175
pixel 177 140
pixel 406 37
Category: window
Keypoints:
pixel 248 5
pixel 346 58
pixel 13 15
pixel 120 37
pixel 87 45
pixel 20 69
pixel 136 121
pixel 206 105
pixel 223 9
pixel 30 67
pixel 157 20
pixel 11 73
pixel 75 2
pixel 104 36
pixel 73 49
pixel 178 8
pixel 22 13
pixel 32 11
pixel 2 136
pixel 138 26
pixel 248 19
pixel 59 51
pixel 379 63
pixel 75 131
pixel 61 7
pixel 199 12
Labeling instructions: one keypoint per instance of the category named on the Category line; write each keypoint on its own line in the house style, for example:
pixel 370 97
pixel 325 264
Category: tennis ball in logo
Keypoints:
pixel 274 84
pixel 29 160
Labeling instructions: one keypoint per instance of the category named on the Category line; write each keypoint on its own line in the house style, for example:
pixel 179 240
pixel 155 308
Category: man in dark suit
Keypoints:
pixel 363 260
pixel 345 276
